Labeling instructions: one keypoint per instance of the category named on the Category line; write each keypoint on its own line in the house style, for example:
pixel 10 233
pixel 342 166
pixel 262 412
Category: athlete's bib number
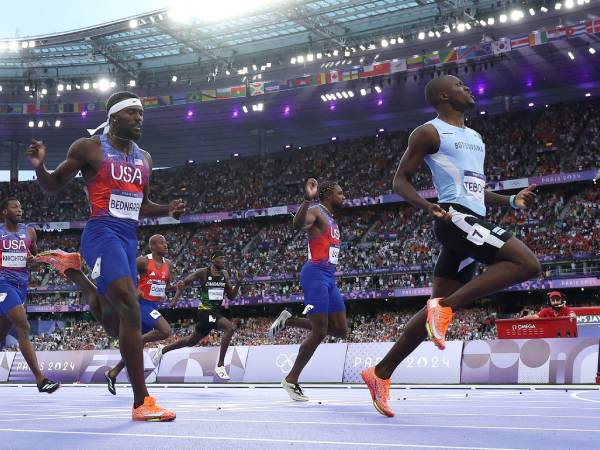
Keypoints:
pixel 158 290
pixel 125 205
pixel 334 254
pixel 215 294
pixel 474 184
pixel 14 260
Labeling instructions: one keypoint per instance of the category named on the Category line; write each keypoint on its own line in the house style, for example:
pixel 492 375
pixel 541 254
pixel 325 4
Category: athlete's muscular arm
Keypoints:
pixel 33 249
pixel 150 209
pixel 305 217
pixel 77 159
pixel 423 140
pixel 141 263
pixel 170 286
pixel 231 291
pixel 201 274
pixel 523 200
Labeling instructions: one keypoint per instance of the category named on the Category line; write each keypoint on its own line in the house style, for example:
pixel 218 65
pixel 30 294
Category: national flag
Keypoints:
pixel 78 107
pixel 592 26
pixel 29 108
pixel 333 76
pixel 519 42
pixel 305 80
pixel 68 107
pixel 193 97
pixel 414 63
pixel 447 56
pixel 237 91
pixel 376 70
pixel 320 78
pixel 502 45
pixel 431 59
pixel 223 93
pixel 537 38
pixel 164 100
pixel 272 86
pixel 352 74
pixel 45 108
pixel 208 95
pixel 398 65
pixel 150 102
pixel 178 99
pixel 575 30
pixel 257 88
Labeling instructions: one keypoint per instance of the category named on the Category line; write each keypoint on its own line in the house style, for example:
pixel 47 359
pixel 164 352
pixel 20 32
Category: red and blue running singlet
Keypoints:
pixel 14 248
pixel 152 286
pixel 117 190
pixel 325 248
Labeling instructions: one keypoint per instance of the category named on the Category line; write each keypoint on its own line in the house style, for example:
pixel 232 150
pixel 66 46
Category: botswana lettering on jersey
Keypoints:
pixel 468 146
pixel 128 174
pixel 14 244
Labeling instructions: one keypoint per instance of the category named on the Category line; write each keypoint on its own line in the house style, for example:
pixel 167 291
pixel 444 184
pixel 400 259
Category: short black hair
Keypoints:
pixel 434 89
pixel 217 253
pixel 4 202
pixel 325 188
pixel 119 96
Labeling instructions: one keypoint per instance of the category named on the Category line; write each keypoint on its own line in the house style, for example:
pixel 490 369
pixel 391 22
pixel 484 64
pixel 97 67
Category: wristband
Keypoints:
pixel 511 202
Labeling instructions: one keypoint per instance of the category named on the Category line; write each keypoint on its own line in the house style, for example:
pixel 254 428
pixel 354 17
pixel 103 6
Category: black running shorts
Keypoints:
pixel 206 321
pixel 466 240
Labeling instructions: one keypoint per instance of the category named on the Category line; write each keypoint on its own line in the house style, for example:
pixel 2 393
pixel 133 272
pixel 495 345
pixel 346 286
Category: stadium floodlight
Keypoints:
pixel 13 46
pixel 174 78
pixel 588 94
pixel 491 21
pixel 300 59
pixel 347 52
pixel 245 109
pixel 430 33
pixel 571 55
pixel 31 124
pixel 103 84
pixel 363 92
pixel 516 15
pixel 531 12
pixel 260 106
pixel 27 88
pixel 468 26
pixel 569 4
pixel 558 6
pixel 293 60
pixel 503 18
pixel 531 104
pixel 362 47
pixel 438 34
pixel 338 95
pixel 57 123
pixel 323 98
pixel 319 56
pixel 86 85
pixel 336 52
pixel 350 94
pixel 31 44
pixel 24 44
pixel 592 50
pixel 133 23
pixel 310 57
pixel 254 67
pixel 378 89
pixel 344 94
pixel 60 87
pixel 483 23
pixel 95 85
pixel 131 83
pixel 40 124
pixel 460 27
pixel 44 91
pixel 544 9
pixel 421 35
pixel 393 41
pixel 384 43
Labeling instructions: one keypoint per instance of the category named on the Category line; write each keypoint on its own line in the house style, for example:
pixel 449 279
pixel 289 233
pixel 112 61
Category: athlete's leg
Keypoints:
pixel 122 296
pixel 18 318
pixel 161 331
pixel 414 332
pixel 188 341
pixel 319 324
pixel 224 325
pixel 5 327
pixel 514 263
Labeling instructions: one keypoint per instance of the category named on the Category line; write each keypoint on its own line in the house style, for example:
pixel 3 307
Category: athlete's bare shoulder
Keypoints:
pixel 86 150
pixel 424 139
pixel 147 157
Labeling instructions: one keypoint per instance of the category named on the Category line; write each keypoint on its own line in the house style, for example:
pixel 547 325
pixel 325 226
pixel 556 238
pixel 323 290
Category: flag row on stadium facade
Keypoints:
pixel 415 63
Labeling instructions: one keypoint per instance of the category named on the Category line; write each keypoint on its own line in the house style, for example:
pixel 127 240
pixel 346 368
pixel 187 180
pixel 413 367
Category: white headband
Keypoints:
pixel 128 102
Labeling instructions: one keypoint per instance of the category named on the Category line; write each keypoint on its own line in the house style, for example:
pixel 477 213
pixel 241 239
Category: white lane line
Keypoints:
pixel 245 439
pixel 577 396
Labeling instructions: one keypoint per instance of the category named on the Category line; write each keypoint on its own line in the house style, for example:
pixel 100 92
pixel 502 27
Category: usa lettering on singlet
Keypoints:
pixel 457 167
pixel 14 248
pixel 326 246
pixel 117 190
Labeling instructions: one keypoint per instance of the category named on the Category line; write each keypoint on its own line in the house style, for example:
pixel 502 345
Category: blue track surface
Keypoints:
pixel 264 418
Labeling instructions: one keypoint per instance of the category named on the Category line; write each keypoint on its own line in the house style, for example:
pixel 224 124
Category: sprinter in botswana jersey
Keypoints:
pixel 215 292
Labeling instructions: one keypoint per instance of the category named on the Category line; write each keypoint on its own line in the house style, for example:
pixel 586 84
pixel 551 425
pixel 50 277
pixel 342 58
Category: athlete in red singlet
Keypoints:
pixel 154 271
pixel 116 172
pixel 324 304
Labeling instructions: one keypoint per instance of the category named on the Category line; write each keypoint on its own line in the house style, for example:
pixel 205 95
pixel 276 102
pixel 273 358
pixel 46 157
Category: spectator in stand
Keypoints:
pixel 558 308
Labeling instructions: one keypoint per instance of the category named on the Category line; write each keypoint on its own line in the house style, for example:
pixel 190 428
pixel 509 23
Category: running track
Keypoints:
pixel 336 418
